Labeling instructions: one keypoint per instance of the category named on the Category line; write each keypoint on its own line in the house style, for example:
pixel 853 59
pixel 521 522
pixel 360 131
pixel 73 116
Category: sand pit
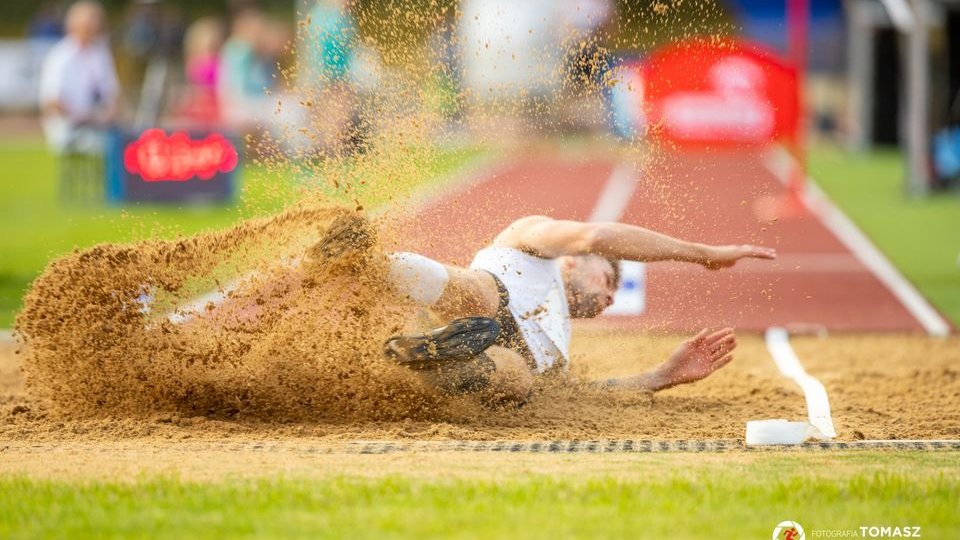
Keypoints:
pixel 293 358
pixel 880 387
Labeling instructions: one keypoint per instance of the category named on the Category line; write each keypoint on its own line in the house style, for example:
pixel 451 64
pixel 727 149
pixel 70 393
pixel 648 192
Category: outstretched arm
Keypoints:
pixel 550 238
pixel 695 359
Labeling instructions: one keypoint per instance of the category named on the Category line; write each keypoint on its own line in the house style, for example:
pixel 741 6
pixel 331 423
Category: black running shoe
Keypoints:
pixel 462 339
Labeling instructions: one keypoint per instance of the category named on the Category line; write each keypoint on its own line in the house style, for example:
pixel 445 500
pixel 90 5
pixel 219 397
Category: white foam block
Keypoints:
pixel 779 431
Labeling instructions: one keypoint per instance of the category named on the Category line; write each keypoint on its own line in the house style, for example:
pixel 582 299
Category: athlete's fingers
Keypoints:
pixel 759 252
pixel 719 335
pixel 724 347
pixel 702 335
pixel 724 360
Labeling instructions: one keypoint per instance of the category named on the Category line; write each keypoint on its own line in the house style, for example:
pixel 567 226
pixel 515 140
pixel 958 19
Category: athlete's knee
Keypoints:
pixel 511 381
pixel 420 278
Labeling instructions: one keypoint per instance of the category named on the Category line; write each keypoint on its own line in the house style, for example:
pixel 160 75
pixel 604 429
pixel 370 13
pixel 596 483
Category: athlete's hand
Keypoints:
pixel 698 357
pixel 717 257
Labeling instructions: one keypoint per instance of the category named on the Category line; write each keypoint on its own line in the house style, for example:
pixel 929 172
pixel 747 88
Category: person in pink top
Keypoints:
pixel 202 45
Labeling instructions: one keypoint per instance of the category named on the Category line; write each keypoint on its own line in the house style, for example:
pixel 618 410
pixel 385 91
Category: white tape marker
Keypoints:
pixel 818 406
pixel 631 296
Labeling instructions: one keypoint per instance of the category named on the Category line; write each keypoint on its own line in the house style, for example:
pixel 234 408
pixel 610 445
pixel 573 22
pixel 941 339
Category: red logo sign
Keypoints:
pixel 719 92
pixel 157 157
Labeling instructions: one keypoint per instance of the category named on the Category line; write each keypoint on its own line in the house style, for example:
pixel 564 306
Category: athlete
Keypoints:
pixel 510 310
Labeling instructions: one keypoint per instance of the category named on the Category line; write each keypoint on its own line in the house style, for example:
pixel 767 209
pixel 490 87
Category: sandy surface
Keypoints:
pixel 879 386
pixel 194 461
pixel 294 359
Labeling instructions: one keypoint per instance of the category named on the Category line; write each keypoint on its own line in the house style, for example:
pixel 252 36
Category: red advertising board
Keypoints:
pixel 158 157
pixel 177 167
pixel 707 92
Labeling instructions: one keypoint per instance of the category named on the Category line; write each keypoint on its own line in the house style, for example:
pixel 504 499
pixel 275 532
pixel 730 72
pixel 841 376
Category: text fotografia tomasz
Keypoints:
pixel 869 531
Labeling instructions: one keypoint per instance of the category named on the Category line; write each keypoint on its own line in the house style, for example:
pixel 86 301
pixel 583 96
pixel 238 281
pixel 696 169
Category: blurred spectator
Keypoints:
pixel 249 89
pixel 330 42
pixel 46 24
pixel 330 36
pixel 141 32
pixel 244 75
pixel 79 93
pixel 202 44
pixel 586 60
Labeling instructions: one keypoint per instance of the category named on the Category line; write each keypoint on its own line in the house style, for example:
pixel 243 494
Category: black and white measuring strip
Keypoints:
pixel 622 446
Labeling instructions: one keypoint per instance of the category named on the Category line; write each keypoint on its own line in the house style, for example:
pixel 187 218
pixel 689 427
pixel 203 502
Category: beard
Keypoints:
pixel 584 306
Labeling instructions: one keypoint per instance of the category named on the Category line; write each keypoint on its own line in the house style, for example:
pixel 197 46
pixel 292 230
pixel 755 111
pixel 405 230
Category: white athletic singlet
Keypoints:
pixel 538 301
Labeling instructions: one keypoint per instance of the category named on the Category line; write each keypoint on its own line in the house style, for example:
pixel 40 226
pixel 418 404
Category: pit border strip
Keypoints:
pixel 629 446
pixel 558 446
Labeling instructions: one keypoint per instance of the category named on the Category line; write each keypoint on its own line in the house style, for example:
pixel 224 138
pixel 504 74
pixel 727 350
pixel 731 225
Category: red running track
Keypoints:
pixel 704 197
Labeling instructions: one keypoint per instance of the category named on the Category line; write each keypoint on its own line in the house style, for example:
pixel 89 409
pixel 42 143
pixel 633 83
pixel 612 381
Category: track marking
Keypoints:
pixel 818 406
pixel 616 194
pixel 779 162
pixel 631 296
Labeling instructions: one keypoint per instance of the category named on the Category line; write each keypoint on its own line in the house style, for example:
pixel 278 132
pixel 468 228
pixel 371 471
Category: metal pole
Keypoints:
pixel 917 100
pixel 798 21
pixel 860 58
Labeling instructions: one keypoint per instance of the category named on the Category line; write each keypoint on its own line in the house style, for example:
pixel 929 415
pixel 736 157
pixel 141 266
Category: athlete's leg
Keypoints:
pixel 451 291
pixel 512 381
pixel 498 376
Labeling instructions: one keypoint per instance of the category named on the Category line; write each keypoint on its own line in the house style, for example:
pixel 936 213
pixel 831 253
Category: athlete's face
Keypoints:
pixel 590 282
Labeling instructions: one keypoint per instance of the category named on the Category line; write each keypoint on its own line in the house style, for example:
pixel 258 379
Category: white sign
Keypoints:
pixel 20 62
pixel 631 297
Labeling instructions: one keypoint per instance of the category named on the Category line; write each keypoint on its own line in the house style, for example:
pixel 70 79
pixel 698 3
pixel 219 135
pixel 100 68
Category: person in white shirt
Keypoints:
pixel 79 91
pixel 511 309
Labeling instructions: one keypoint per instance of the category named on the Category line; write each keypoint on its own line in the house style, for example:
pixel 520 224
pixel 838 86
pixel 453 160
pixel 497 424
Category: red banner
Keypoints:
pixel 158 157
pixel 719 92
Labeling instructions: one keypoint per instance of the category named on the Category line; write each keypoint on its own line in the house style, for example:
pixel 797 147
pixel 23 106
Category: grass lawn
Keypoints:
pixel 37 226
pixel 662 498
pixel 920 236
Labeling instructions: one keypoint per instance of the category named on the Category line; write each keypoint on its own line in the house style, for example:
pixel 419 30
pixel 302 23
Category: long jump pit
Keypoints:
pixel 95 385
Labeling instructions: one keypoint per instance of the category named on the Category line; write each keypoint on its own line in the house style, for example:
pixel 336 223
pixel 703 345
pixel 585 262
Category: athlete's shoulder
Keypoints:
pixel 515 233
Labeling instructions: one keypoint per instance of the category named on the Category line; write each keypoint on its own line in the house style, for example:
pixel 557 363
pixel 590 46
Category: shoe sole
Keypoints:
pixel 462 339
pixel 347 233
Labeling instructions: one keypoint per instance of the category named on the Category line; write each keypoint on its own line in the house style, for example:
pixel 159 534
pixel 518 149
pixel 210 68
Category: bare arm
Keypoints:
pixel 695 359
pixel 550 238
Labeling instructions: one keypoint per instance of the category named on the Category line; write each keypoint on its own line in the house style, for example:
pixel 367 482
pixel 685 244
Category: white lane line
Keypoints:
pixel 818 406
pixel 616 194
pixel 781 163
pixel 631 296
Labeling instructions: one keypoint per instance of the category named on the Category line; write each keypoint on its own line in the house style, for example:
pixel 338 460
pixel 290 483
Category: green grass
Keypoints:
pixel 37 226
pixel 731 501
pixel 920 236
